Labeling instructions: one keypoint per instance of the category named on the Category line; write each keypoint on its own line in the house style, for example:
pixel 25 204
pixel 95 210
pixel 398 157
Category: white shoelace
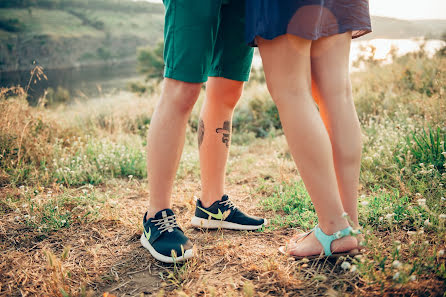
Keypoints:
pixel 167 223
pixel 228 203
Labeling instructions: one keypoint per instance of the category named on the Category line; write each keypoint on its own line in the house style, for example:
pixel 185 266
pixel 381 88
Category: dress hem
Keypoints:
pixel 359 32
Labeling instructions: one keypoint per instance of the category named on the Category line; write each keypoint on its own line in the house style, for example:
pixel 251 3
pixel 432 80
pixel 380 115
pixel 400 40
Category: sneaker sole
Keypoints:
pixel 165 259
pixel 218 224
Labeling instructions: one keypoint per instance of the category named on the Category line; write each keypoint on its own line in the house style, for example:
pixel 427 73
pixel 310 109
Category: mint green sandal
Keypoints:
pixel 326 241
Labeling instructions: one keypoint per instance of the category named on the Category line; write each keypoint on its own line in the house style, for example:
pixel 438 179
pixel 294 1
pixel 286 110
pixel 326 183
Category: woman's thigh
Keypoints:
pixel 330 67
pixel 287 65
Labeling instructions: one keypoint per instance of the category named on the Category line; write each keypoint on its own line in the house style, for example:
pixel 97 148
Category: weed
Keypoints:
pixel 294 201
pixel 425 148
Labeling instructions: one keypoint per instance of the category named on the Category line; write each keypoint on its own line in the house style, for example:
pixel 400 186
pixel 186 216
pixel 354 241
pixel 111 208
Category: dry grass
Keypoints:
pixel 71 238
pixel 105 255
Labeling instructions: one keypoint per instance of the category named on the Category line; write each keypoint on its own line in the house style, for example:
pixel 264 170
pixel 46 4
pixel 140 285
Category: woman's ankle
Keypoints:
pixel 330 227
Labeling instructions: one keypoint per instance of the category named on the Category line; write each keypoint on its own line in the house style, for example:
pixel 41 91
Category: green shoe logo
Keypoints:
pixel 217 216
pixel 147 234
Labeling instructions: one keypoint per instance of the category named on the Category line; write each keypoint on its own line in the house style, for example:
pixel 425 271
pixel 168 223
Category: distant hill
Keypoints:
pixel 384 27
pixel 61 34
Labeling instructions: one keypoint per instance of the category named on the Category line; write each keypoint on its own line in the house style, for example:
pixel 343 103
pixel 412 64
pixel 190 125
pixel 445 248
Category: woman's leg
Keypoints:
pixel 332 88
pixel 287 65
pixel 214 135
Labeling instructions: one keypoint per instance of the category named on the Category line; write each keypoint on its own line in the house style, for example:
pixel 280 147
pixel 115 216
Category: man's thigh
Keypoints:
pixel 190 32
pixel 232 56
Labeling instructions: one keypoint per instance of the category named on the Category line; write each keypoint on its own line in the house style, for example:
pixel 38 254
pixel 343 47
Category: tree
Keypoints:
pixel 151 62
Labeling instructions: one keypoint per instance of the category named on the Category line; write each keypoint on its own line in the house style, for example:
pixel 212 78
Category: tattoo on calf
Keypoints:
pixel 200 132
pixel 225 131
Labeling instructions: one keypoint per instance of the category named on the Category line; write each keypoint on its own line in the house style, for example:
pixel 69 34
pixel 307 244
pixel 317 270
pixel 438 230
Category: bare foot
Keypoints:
pixel 298 236
pixel 310 246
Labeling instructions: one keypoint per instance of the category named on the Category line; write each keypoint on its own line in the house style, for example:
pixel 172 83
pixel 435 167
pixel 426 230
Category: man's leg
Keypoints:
pixel 162 235
pixel 165 139
pixel 190 28
pixel 231 64
pixel 214 135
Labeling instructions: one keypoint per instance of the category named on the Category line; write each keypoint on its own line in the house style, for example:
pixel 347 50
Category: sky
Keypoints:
pixel 409 9
pixel 402 9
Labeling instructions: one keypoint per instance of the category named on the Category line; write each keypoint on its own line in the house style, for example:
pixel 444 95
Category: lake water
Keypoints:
pixel 363 48
pixel 83 82
pixel 94 81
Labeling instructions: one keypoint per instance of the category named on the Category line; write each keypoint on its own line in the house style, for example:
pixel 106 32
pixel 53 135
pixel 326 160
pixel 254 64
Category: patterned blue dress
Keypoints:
pixel 309 19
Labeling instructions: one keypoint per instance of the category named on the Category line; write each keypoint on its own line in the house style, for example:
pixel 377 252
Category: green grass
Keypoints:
pixel 48 211
pixel 62 23
pixel 292 206
pixel 137 24
pixel 41 22
pixel 92 161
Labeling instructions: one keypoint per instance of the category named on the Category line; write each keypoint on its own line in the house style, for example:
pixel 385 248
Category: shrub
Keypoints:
pixel 259 116
pixel 11 25
pixel 25 142
pixel 56 97
pixel 151 61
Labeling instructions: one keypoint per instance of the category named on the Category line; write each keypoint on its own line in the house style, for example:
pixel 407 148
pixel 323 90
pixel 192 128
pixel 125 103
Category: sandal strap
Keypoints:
pixel 326 240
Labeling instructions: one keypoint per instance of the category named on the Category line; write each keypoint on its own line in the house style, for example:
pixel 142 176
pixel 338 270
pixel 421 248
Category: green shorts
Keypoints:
pixel 205 38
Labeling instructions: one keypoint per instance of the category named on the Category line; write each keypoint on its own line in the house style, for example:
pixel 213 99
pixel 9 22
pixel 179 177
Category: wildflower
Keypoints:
pixel 354 268
pixel 63 221
pixel 396 264
pixel 85 191
pixel 413 278
pixel 396 276
pixel 389 216
pixel 426 222
pixel 440 253
pixel 365 203
pixel 421 202
pixel 443 199
pixel 380 219
pixel 345 265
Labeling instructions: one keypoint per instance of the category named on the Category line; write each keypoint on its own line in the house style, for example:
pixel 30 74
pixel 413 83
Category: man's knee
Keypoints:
pixel 224 91
pixel 180 95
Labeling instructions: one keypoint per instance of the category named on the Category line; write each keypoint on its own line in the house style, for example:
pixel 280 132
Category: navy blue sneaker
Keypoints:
pixel 164 238
pixel 224 214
